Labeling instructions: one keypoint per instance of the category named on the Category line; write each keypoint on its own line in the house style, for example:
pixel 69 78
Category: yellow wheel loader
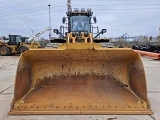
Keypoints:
pixel 80 76
pixel 16 45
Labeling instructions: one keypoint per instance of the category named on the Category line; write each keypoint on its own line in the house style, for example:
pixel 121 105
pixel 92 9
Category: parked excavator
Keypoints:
pixel 80 76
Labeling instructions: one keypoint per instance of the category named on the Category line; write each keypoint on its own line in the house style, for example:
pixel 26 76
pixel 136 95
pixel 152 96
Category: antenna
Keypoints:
pixel 49 21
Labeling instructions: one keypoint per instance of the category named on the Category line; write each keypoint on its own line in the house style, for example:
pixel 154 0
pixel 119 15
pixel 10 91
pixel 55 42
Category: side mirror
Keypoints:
pixel 63 20
pixel 95 19
pixel 104 31
pixel 55 31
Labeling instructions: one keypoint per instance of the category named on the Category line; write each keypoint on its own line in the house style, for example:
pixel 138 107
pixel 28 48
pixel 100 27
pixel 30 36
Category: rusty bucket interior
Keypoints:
pixel 102 81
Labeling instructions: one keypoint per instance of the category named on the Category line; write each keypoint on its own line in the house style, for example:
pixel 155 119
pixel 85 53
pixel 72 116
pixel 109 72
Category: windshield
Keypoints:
pixel 80 23
pixel 18 39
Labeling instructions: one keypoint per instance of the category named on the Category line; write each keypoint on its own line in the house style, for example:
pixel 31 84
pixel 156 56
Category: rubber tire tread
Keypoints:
pixel 6 50
pixel 23 49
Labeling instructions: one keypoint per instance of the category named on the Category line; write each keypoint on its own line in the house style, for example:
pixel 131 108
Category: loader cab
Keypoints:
pixel 79 20
pixel 14 39
pixel 79 23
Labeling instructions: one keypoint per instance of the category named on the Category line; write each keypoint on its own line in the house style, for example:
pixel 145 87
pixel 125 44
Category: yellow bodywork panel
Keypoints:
pixel 31 45
pixel 90 80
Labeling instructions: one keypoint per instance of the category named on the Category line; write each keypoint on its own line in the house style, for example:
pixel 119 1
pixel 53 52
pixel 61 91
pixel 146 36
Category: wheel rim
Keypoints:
pixel 3 51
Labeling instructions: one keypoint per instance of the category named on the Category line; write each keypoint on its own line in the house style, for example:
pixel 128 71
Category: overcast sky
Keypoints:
pixel 135 17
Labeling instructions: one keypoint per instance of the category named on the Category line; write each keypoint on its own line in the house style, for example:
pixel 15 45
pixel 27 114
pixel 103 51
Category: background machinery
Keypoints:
pixel 16 44
pixel 34 37
pixel 80 76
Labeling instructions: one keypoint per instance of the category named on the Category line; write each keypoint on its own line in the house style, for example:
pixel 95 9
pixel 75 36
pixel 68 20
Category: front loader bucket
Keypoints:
pixel 72 81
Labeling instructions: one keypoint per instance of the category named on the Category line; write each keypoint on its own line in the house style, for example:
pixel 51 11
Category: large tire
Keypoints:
pixel 23 49
pixel 5 51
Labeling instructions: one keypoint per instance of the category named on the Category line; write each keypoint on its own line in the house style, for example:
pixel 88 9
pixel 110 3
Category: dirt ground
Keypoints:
pixel 8 66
